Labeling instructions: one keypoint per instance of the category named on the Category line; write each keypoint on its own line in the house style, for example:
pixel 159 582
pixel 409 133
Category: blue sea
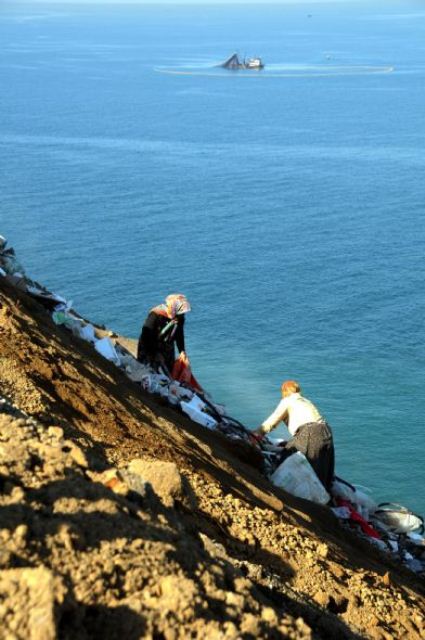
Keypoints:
pixel 287 204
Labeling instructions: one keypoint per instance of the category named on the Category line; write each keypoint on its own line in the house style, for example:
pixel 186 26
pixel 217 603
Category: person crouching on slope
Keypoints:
pixel 162 330
pixel 311 433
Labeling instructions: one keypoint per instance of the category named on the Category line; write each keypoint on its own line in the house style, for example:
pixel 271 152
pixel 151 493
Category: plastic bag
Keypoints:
pixel 136 372
pixel 365 503
pixel 417 539
pixel 12 266
pixel 297 476
pixel 343 513
pixel 146 382
pixel 48 296
pixel 362 502
pixel 106 349
pixel 183 373
pixel 341 489
pixel 87 333
pixel 357 519
pixel 155 383
pixel 398 519
pixel 195 410
pixel 70 322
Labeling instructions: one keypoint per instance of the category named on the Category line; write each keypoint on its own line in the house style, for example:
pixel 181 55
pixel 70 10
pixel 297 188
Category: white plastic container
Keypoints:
pixel 194 410
pixel 296 475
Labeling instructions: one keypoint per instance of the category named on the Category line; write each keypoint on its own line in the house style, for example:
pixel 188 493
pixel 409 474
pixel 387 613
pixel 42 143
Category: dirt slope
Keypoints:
pixel 226 556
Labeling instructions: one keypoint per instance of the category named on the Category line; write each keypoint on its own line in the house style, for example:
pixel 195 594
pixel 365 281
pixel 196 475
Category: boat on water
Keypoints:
pixel 235 63
pixel 254 63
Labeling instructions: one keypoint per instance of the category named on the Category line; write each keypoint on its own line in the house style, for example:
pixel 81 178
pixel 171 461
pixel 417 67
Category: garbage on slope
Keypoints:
pixel 297 476
pixel 393 528
pixel 8 261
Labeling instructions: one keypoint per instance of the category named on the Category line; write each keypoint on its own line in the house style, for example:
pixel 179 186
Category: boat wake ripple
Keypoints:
pixel 282 71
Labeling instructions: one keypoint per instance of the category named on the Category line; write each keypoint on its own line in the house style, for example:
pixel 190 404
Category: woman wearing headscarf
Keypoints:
pixel 310 432
pixel 163 331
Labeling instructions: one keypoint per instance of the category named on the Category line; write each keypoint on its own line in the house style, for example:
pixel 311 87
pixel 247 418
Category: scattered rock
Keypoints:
pixel 322 598
pixel 77 454
pixel 323 550
pixel 269 615
pixel 111 479
pixel 164 477
pixel 27 604
pixel 55 432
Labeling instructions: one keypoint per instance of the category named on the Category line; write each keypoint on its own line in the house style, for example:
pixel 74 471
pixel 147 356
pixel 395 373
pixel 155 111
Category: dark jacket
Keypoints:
pixel 152 344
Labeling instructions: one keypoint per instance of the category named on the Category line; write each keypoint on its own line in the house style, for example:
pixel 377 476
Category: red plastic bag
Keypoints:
pixel 183 373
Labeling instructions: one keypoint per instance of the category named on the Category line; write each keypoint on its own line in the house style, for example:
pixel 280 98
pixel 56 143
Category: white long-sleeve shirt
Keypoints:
pixel 295 410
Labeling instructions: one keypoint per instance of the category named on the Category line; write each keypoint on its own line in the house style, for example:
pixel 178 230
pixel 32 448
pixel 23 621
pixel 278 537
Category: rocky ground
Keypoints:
pixel 120 518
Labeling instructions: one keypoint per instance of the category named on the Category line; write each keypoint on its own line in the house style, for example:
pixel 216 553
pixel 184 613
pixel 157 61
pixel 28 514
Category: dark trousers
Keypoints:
pixel 315 441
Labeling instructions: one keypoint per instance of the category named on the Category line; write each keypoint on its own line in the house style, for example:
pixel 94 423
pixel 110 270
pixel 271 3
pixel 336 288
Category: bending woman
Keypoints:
pixel 311 433
pixel 162 331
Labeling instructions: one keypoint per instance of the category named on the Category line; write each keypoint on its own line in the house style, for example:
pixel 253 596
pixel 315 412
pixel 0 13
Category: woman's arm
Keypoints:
pixel 279 414
pixel 180 334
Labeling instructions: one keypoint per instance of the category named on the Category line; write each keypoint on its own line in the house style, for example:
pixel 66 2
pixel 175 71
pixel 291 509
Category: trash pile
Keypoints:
pixel 391 527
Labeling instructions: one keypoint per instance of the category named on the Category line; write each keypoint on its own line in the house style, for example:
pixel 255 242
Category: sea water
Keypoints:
pixel 287 204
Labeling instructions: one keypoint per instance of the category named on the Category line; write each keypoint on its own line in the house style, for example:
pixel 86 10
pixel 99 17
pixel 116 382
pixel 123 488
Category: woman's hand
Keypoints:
pixel 184 358
pixel 258 434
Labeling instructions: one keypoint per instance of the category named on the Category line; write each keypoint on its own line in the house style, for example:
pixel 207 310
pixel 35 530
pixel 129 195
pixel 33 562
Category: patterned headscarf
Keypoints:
pixel 175 305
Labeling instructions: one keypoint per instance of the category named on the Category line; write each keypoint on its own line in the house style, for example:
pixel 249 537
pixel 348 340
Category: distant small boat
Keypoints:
pixel 254 63
pixel 235 63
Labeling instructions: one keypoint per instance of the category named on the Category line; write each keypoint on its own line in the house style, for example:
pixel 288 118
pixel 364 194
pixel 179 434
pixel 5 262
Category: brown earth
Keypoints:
pixel 208 549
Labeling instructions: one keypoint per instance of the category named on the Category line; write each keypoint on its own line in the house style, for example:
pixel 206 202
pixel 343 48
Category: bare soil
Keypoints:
pixel 208 549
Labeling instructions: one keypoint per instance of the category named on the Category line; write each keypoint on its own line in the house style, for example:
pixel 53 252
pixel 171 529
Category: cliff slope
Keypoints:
pixel 208 549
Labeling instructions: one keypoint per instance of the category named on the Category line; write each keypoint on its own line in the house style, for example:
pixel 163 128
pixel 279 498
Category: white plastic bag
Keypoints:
pixel 342 490
pixel 364 504
pixel 53 297
pixel 87 333
pixel 194 409
pixel 71 322
pixel 398 519
pixel 146 382
pixel 106 349
pixel 297 476
pixel 417 539
pixel 155 383
pixel 196 403
pixel 361 501
pixel 135 370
